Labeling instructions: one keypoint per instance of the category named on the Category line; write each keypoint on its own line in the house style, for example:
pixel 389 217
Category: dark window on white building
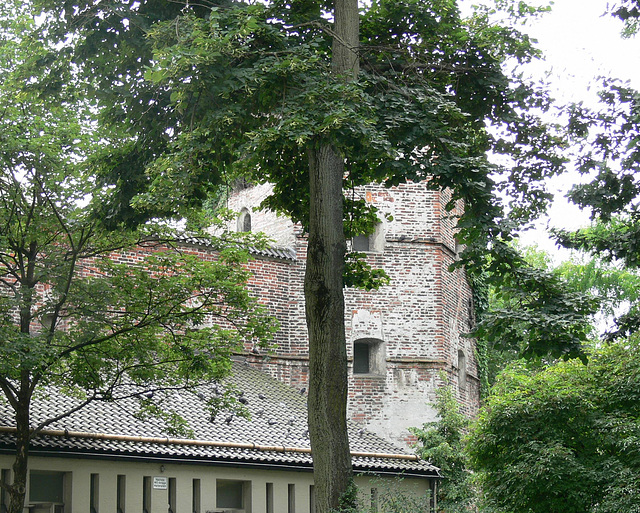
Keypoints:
pixel 269 498
pixel 291 499
pixel 232 494
pixel 47 491
pixel 146 494
pixel 172 495
pixel 195 500
pixel 121 489
pixel 94 493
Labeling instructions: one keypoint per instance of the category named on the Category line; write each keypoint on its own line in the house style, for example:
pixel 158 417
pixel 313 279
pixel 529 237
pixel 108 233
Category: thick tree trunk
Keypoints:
pixel 324 291
pixel 325 321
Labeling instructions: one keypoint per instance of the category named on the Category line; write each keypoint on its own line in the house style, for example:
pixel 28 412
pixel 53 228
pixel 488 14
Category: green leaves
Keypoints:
pixel 88 309
pixel 441 443
pixel 564 439
pixel 532 313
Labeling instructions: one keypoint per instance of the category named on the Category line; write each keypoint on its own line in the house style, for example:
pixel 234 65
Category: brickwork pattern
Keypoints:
pixel 419 318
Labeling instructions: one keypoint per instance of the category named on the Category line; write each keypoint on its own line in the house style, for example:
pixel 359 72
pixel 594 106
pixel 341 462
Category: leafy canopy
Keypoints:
pixel 253 88
pixel 564 439
pixel 441 442
pixel 193 96
pixel 74 313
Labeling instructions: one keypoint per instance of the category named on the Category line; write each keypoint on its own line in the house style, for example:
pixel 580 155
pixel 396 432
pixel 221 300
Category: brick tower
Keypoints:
pixel 401 339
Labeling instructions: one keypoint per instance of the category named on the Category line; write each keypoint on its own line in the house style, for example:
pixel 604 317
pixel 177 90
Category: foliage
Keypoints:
pixel 441 443
pixel 71 310
pixel 607 287
pixel 530 311
pixel 390 499
pixel 564 439
pixel 609 153
pixel 629 12
pixel 73 314
pixel 244 89
pixel 613 286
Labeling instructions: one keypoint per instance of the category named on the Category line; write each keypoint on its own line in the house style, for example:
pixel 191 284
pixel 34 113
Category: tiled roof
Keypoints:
pixel 274 435
pixel 270 252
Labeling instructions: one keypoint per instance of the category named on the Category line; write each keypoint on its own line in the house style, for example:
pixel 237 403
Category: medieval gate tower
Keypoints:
pixel 401 339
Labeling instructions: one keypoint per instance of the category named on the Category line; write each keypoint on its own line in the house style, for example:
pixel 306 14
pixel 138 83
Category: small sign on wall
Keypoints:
pixel 160 483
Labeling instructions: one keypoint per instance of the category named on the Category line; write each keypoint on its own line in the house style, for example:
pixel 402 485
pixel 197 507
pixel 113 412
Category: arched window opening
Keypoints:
pixel 244 221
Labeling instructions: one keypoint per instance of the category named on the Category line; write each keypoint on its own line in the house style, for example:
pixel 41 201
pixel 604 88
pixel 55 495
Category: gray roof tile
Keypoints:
pixel 277 418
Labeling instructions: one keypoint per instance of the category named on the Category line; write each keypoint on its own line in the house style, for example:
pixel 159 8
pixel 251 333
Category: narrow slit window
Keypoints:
pixel 94 493
pixel 172 495
pixel 121 488
pixel 146 494
pixel 462 370
pixel 195 499
pixel 374 500
pixel 244 220
pixel 312 499
pixel 269 498
pixel 361 358
pixel 291 499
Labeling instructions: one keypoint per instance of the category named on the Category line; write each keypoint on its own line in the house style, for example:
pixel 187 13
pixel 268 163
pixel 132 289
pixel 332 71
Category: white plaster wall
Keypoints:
pixel 80 470
pixel 278 228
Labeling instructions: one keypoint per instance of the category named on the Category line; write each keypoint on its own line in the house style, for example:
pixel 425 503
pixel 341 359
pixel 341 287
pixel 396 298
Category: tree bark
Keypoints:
pixel 324 302
pixel 324 297
pixel 345 59
pixel 18 488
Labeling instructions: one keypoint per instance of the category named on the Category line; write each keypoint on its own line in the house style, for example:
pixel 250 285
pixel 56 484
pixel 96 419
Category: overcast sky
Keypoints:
pixel 580 43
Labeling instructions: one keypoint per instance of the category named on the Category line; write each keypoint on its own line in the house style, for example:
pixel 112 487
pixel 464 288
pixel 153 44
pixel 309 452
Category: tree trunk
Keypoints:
pixel 323 287
pixel 324 302
pixel 345 59
pixel 18 488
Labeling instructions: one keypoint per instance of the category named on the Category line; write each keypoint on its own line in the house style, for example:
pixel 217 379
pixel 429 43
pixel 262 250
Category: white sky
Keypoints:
pixel 580 43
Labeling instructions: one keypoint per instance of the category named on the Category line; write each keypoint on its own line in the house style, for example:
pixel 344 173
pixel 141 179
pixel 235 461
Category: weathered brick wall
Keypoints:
pixel 419 318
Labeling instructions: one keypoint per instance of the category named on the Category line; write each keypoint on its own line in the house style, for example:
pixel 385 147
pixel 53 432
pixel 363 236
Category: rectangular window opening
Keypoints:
pixel 121 487
pixel 46 486
pixel 361 358
pixel 146 494
pixel 269 498
pixel 94 493
pixel 312 499
pixel 230 494
pixel 291 502
pixel 374 500
pixel 195 498
pixel 172 495
pixel 360 243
